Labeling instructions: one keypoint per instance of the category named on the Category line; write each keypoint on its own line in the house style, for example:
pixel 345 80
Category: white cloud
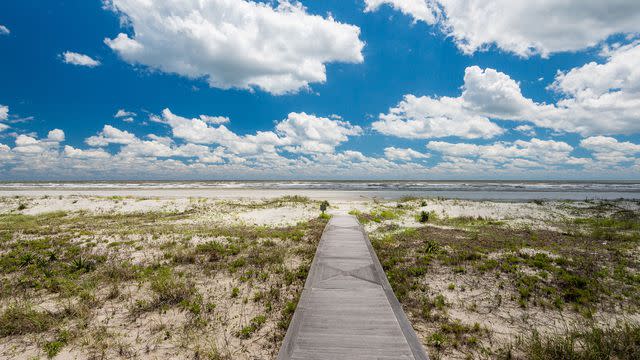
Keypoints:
pixel 214 119
pixel 79 59
pixel 134 147
pixel 24 140
pixel 394 154
pixel 599 99
pixel 535 153
pixel 299 132
pixel 111 135
pixel 307 133
pixel 524 27
pixel 526 129
pixel 420 10
pixel 72 152
pixel 56 135
pixel 235 43
pixel 30 145
pixel 608 150
pixel 425 117
pixel 160 157
pixel 4 115
pixel 198 131
pixel 4 30
pixel 122 113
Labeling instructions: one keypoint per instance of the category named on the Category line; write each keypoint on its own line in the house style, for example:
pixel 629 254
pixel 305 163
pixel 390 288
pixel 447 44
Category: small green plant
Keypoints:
pixel 323 206
pixel 20 319
pixel 437 340
pixel 52 348
pixel 424 216
pixel 254 325
pixel 22 206
pixel 82 265
pixel 235 292
pixel 171 289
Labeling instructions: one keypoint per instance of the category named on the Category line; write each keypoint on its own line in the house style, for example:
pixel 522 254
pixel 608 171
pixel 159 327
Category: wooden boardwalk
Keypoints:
pixel 347 309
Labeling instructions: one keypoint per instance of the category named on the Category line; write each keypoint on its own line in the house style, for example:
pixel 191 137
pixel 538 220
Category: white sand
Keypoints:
pixel 38 201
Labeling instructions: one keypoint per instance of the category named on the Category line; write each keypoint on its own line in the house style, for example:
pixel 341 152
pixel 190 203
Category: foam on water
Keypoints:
pixel 459 189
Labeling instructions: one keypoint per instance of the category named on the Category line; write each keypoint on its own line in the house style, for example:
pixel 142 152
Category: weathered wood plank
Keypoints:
pixel 347 309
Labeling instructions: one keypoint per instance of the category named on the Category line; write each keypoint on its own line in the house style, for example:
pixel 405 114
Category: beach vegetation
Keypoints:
pixel 621 341
pixel 323 206
pixel 53 347
pixel 570 268
pixel 169 264
pixel 254 325
pixel 21 318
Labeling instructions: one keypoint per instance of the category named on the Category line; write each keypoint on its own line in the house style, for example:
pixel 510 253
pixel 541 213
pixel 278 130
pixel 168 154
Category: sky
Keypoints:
pixel 332 89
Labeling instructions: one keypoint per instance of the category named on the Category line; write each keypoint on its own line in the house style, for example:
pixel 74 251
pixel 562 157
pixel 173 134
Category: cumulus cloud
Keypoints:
pixel 426 117
pixel 598 99
pixel 235 43
pixel 395 154
pixel 74 58
pixel 134 147
pixel 214 119
pixel 307 133
pixel 71 152
pixel 122 113
pixel 601 98
pixel 4 115
pixel 111 135
pixel 56 135
pixel 609 150
pixel 159 157
pixel 523 27
pixel 26 144
pixel 4 30
pixel 526 129
pixel 154 156
pixel 126 116
pixel 4 112
pixel 198 131
pixel 420 10
pixel 299 133
pixel 519 154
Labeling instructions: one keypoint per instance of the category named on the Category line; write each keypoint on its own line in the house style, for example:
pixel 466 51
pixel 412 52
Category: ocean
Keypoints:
pixel 476 190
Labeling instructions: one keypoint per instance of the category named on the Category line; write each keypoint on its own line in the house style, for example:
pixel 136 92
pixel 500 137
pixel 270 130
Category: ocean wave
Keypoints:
pixel 430 186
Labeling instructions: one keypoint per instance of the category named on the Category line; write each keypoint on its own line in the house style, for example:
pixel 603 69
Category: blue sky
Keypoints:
pixel 394 89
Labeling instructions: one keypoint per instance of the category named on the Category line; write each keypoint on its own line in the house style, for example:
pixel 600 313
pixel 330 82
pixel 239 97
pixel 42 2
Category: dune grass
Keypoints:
pixel 588 267
pixel 151 264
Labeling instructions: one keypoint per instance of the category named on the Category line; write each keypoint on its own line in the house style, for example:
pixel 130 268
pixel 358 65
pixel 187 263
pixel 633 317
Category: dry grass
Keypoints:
pixel 477 287
pixel 149 284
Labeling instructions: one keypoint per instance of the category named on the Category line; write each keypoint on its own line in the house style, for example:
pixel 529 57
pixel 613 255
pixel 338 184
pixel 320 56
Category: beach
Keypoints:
pixel 156 272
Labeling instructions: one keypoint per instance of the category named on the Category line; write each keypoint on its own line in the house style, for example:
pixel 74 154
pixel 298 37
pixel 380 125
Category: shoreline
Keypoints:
pixel 325 194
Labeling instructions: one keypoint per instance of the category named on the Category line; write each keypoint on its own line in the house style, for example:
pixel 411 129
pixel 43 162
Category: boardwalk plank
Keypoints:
pixel 347 309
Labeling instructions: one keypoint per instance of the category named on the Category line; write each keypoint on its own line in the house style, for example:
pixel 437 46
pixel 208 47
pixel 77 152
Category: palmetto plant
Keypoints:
pixel 323 206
